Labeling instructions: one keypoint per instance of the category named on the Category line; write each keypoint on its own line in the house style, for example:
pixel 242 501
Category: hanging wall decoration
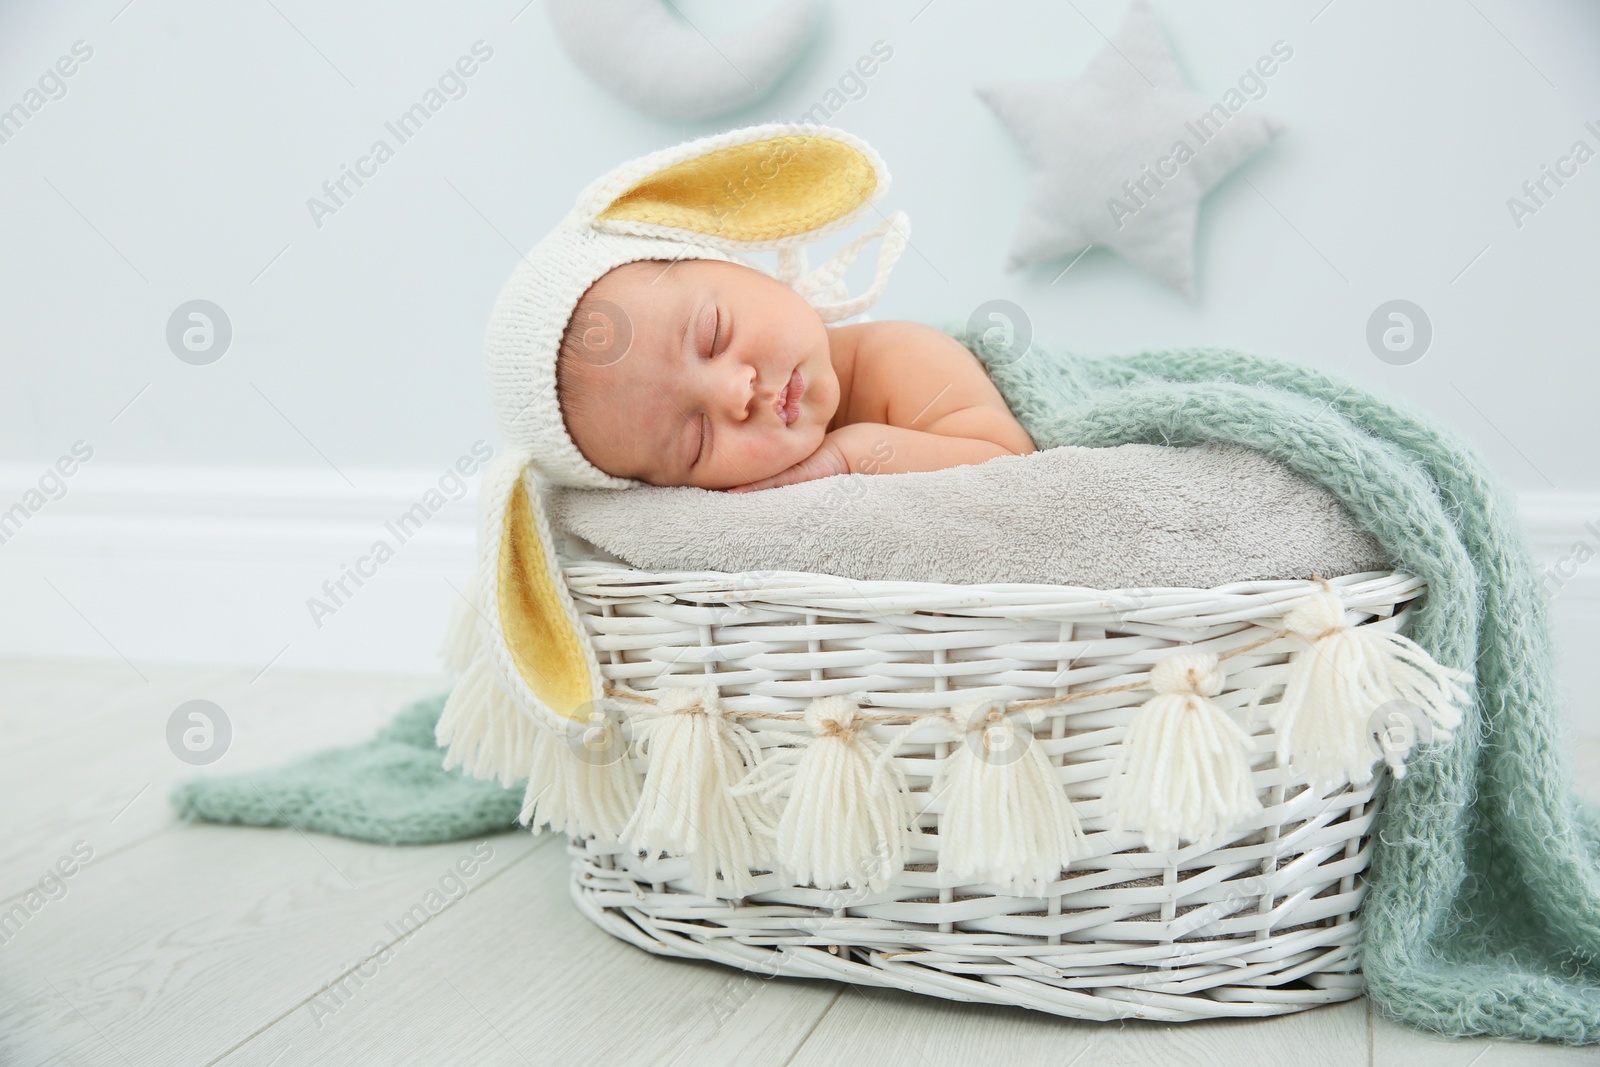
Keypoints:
pixel 661 64
pixel 1124 153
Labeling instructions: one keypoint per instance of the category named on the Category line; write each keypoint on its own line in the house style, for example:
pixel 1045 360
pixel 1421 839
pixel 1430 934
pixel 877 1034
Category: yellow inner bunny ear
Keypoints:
pixel 549 655
pixel 757 191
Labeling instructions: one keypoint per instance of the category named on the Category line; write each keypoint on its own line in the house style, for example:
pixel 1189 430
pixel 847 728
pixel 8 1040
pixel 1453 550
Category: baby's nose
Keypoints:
pixel 739 393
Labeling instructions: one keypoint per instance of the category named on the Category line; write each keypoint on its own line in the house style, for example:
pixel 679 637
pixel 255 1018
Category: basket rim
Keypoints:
pixel 607 578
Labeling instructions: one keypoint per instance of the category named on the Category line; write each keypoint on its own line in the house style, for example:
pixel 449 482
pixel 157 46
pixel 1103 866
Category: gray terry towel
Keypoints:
pixel 1105 518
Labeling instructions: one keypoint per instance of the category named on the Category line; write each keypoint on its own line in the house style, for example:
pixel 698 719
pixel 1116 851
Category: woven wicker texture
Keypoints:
pixel 1266 923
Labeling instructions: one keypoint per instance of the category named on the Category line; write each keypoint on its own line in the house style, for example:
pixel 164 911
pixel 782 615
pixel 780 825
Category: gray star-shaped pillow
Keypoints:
pixel 1124 153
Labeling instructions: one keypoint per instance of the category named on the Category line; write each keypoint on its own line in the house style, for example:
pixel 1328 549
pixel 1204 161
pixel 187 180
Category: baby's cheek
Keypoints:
pixel 761 455
pixel 777 454
pixel 797 446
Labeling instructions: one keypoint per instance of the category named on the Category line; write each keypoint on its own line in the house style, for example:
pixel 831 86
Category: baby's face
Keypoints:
pixel 726 377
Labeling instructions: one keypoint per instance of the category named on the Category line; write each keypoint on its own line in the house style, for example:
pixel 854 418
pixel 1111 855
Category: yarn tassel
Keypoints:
pixel 844 823
pixel 1183 770
pixel 687 806
pixel 461 638
pixel 581 785
pixel 1326 722
pixel 486 734
pixel 1006 818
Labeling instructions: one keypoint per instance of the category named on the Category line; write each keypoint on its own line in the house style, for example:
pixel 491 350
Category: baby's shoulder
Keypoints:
pixel 896 331
pixel 890 349
pixel 909 374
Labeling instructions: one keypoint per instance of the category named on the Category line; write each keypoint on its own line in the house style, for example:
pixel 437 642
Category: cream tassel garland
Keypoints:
pixel 686 804
pixel 844 823
pixel 1183 770
pixel 1006 818
pixel 487 735
pixel 1326 719
pixel 461 635
pixel 581 784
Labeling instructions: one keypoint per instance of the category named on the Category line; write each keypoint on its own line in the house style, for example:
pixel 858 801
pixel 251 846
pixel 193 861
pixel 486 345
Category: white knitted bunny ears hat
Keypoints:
pixel 773 187
pixel 526 657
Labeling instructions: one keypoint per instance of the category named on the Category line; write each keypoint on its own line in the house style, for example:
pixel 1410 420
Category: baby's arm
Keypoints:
pixel 918 378
pixel 878 448
pixel 919 402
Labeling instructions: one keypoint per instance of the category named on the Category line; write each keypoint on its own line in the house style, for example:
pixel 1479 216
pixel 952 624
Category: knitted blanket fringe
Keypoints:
pixel 1482 911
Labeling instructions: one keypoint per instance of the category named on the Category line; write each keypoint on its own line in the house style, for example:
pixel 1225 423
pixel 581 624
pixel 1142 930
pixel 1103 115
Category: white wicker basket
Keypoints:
pixel 1266 924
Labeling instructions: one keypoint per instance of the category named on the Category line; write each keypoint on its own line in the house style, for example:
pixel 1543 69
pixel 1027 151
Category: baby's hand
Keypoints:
pixel 828 460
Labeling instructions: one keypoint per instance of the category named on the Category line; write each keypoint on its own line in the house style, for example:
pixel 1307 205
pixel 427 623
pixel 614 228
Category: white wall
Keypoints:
pixel 178 165
pixel 193 137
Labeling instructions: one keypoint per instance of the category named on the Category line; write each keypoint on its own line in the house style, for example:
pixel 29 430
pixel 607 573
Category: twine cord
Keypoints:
pixel 1003 707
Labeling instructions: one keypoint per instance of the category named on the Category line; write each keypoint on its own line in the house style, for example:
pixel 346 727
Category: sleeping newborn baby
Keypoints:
pixel 712 374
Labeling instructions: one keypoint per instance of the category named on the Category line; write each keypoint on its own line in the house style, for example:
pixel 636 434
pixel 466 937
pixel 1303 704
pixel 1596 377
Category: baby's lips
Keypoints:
pixel 789 397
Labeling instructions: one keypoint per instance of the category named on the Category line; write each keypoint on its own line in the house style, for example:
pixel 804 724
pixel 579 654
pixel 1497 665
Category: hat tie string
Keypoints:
pixel 824 288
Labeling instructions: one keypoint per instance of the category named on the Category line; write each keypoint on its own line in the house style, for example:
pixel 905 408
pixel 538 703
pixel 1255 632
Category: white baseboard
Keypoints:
pixel 217 566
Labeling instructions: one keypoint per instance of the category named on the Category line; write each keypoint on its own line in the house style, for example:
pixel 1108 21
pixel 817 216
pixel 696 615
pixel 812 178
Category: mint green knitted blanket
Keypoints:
pixel 1482 913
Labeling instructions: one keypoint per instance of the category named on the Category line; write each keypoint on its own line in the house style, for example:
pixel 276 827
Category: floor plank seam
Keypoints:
pixel 287 1012
pixel 111 714
pixel 99 857
pixel 812 1029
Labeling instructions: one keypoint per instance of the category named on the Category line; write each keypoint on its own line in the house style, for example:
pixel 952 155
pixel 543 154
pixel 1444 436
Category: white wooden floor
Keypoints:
pixel 179 944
